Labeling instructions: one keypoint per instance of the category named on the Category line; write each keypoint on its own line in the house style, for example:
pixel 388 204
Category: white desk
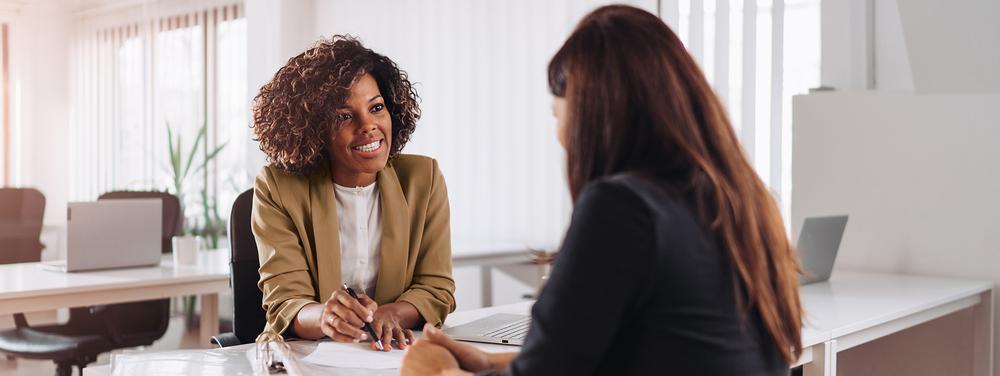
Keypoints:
pixel 28 287
pixel 238 360
pixel 850 310
pixel 856 308
pixel 487 256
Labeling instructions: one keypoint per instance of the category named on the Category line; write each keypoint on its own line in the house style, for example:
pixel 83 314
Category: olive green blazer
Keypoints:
pixel 294 220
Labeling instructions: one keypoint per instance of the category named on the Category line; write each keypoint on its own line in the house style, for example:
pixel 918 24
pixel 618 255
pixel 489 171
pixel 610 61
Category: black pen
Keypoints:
pixel 368 326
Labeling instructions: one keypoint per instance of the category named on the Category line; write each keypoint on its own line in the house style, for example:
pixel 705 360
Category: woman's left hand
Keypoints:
pixel 389 326
pixel 426 358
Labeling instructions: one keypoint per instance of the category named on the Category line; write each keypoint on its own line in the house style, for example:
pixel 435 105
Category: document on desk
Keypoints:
pixel 353 355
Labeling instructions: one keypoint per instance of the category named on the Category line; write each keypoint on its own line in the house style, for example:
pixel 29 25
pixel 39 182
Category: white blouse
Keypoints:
pixel 359 214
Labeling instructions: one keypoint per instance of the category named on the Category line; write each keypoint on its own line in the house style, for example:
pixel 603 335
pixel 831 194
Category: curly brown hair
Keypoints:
pixel 294 113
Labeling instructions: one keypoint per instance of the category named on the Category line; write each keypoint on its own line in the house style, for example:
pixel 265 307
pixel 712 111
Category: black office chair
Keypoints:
pixel 248 314
pixel 140 323
pixel 93 330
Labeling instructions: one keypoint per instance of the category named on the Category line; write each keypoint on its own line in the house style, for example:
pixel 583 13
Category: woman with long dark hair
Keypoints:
pixel 676 260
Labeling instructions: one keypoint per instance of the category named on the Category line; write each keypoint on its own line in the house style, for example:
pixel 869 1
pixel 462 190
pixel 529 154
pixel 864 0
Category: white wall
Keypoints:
pixel 40 88
pixel 953 46
pixel 847 45
pixel 916 173
pixel 929 46
pixel 276 31
pixel 891 60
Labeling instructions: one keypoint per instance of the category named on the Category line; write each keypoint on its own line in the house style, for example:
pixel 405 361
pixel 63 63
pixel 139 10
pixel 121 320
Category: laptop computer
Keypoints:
pixel 819 241
pixel 501 328
pixel 108 234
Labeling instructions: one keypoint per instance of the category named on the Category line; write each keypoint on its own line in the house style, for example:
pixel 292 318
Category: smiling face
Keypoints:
pixel 360 139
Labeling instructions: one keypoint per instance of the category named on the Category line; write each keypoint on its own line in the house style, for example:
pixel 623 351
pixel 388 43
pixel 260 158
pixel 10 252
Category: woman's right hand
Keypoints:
pixel 343 316
pixel 468 357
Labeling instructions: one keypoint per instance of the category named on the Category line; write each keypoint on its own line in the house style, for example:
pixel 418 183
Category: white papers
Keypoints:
pixel 353 355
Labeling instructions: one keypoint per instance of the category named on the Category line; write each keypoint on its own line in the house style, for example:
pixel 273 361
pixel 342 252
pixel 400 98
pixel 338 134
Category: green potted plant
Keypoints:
pixel 185 163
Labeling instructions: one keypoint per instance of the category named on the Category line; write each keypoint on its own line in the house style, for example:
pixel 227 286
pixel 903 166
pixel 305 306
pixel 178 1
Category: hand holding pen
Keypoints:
pixel 367 326
pixel 352 317
pixel 346 316
pixel 386 330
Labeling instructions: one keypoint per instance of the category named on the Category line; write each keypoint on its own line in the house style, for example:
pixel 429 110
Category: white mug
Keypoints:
pixel 186 249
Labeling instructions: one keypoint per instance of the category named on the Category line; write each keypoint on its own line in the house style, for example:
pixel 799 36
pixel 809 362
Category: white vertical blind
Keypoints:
pixel 696 44
pixel 137 70
pixel 6 119
pixel 757 54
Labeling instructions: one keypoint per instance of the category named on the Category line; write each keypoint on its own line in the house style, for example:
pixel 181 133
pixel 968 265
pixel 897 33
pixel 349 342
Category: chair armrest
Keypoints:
pixel 225 339
pixel 20 321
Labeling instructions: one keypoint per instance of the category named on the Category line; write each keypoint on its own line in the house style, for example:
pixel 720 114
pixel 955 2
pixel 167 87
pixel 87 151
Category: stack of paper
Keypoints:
pixel 353 355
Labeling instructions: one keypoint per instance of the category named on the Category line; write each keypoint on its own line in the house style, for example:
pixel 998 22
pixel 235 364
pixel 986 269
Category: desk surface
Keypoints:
pixel 238 360
pixel 853 301
pixel 32 280
pixel 848 304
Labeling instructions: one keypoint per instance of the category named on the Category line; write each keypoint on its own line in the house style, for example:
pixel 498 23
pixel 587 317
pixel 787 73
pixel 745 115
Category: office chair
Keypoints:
pixel 172 220
pixel 21 213
pixel 248 315
pixel 93 330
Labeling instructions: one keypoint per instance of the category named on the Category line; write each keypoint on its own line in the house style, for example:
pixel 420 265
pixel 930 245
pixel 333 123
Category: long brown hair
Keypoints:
pixel 637 101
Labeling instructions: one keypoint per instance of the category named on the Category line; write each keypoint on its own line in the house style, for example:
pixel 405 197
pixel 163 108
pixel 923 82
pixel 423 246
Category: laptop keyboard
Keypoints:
pixel 516 330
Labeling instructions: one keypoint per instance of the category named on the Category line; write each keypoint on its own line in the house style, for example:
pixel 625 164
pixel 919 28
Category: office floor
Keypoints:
pixel 177 337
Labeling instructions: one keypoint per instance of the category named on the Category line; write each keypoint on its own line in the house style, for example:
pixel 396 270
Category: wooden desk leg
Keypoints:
pixel 209 318
pixel 983 335
pixel 486 285
pixel 824 362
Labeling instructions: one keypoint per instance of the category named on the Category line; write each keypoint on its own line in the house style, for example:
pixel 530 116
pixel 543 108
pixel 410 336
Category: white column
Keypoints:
pixel 722 42
pixel 40 109
pixel 749 111
pixel 777 94
pixel 696 31
pixel 847 57
pixel 276 31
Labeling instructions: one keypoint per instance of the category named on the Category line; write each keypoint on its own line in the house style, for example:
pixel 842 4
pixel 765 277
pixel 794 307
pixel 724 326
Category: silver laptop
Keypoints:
pixel 501 328
pixel 107 234
pixel 819 241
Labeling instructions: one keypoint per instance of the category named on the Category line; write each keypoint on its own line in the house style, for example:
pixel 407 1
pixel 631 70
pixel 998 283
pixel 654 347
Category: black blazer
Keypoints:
pixel 641 287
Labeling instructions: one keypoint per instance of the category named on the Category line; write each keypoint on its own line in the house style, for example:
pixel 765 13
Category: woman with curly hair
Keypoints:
pixel 339 204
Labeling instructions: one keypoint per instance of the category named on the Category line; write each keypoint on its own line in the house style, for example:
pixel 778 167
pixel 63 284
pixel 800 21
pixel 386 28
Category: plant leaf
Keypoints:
pixel 210 157
pixel 215 152
pixel 170 149
pixel 179 174
pixel 194 150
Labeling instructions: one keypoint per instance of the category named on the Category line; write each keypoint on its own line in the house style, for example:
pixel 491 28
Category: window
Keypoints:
pixel 5 121
pixel 137 79
pixel 757 54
